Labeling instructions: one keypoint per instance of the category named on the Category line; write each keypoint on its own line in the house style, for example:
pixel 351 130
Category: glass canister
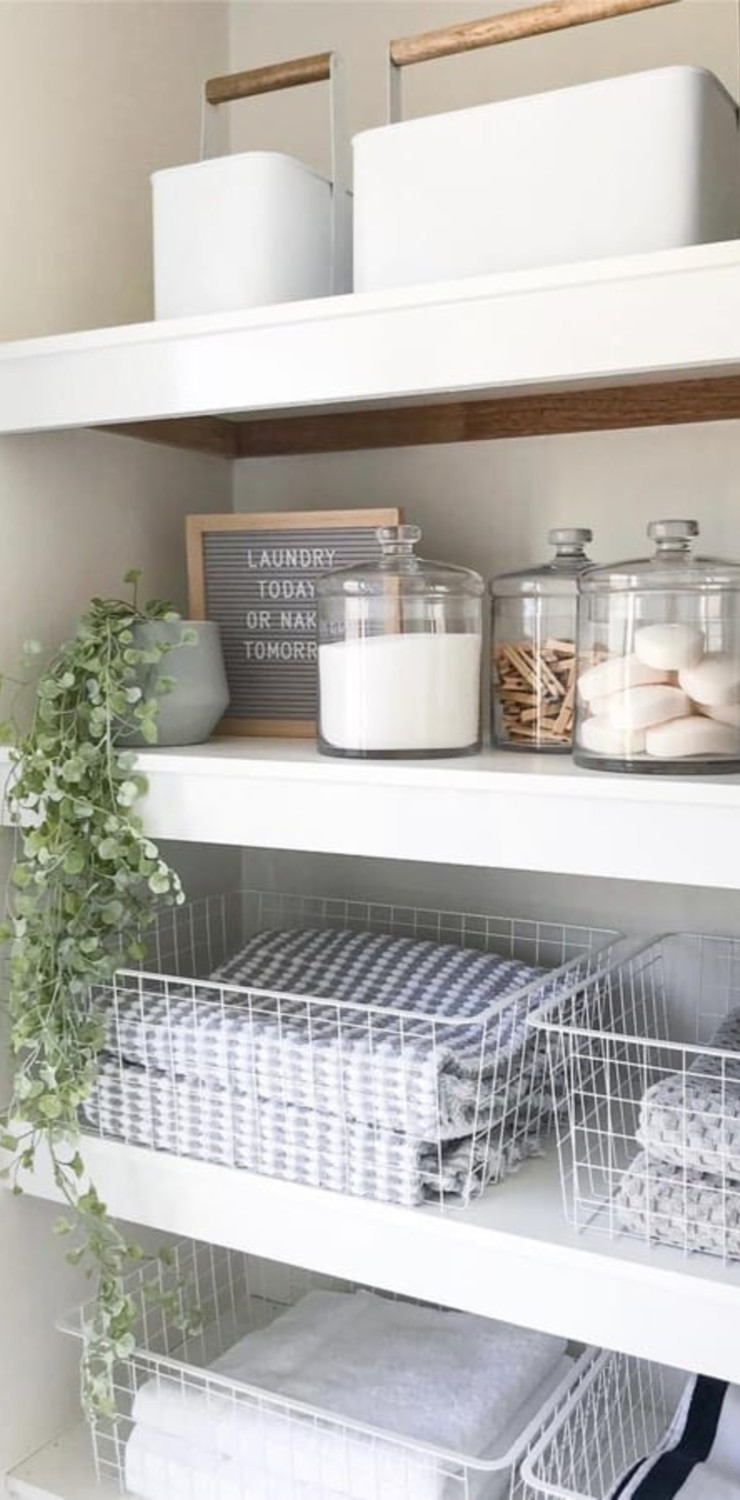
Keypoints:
pixel 533 635
pixel 659 660
pixel 399 655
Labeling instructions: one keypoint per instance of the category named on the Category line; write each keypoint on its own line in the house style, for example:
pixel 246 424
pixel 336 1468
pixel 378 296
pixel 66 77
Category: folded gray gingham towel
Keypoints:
pixel 683 1187
pixel 403 1074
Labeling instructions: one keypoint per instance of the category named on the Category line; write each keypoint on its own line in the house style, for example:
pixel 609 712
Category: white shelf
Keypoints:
pixel 671 314
pixel 508 811
pixel 510 1255
pixel 61 1470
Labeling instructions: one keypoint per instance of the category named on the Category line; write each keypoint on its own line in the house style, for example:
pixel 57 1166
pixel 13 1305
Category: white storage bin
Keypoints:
pixel 617 1412
pixel 392 1074
pixel 255 228
pixel 640 163
pixel 646 1056
pixel 292 1450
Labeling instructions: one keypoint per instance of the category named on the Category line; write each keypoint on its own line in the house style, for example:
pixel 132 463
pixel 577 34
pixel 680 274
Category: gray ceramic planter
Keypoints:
pixel 189 713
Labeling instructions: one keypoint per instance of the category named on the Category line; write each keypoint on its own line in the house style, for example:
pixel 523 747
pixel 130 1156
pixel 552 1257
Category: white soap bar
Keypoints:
pixel 614 675
pixel 693 736
pixel 640 707
pixel 669 647
pixel 714 680
pixel 727 713
pixel 602 738
pixel 599 707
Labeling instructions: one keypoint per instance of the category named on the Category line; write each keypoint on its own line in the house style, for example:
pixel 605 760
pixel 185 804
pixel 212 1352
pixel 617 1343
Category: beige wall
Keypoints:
pixel 93 97
pixel 84 118
pixel 698 31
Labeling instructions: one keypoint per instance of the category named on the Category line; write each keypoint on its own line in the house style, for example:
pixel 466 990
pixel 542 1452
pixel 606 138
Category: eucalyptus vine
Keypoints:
pixel 85 885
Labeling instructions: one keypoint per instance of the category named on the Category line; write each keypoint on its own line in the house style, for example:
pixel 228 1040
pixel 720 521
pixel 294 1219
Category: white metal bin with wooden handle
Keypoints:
pixel 257 227
pixel 624 165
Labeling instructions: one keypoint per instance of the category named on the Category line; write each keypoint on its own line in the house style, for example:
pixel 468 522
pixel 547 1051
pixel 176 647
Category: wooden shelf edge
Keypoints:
pixel 654 404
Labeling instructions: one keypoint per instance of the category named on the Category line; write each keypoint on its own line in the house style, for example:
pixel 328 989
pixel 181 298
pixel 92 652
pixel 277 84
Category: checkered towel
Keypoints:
pixel 691 1119
pixel 416 1037
pixel 670 1206
pixel 302 1145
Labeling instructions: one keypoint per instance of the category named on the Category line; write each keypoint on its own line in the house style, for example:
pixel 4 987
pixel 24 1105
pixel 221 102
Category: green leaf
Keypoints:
pixel 74 862
pixel 128 793
pixel 50 1107
pixel 149 731
pixel 62 1227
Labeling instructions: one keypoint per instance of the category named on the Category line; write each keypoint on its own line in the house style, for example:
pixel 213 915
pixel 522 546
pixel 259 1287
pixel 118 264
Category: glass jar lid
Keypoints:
pixel 397 559
pixel 558 576
pixel 673 566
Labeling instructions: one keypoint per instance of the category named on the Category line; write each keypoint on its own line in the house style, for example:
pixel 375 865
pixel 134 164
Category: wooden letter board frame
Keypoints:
pixel 270 532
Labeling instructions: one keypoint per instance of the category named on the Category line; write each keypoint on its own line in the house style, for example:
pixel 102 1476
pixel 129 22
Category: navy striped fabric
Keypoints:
pixel 699 1458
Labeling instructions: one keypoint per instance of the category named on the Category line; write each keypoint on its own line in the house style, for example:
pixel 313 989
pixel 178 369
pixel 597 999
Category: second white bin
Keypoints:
pixel 645 162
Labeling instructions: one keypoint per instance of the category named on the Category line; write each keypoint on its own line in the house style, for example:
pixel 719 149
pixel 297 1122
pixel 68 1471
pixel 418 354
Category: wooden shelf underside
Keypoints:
pixel 600 409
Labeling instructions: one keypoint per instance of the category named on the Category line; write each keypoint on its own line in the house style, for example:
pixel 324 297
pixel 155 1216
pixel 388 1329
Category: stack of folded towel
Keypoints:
pixel 684 1186
pixel 699 1458
pixel 405 1076
pixel 417 1380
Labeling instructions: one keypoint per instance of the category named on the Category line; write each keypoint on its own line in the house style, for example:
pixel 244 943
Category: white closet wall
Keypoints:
pixel 92 98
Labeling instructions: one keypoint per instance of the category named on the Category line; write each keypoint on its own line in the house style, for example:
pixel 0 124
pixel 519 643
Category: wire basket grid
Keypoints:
pixel 363 1095
pixel 191 1311
pixel 617 1412
pixel 647 1058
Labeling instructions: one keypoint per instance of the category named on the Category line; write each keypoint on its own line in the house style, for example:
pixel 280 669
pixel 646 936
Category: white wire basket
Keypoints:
pixel 647 1058
pixel 356 1087
pixel 618 1410
pixel 289 1450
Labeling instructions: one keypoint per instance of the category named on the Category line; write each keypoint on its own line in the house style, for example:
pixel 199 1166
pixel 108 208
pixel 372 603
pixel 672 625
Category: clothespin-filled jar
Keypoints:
pixel 257 227
pixel 533 629
pixel 399 655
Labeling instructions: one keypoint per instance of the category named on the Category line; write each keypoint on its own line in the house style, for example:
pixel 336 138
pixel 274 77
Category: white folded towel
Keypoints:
pixel 160 1467
pixel 445 1378
pixel 345 1467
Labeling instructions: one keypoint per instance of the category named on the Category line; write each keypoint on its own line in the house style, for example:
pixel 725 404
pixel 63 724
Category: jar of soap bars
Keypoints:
pixel 658 685
pixel 399 654
pixel 533 645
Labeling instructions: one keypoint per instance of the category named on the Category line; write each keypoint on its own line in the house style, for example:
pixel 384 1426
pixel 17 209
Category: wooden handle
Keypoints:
pixel 554 15
pixel 284 75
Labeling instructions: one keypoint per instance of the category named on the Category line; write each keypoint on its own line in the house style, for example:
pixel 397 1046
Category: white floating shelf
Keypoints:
pixel 509 1256
pixel 671 315
pixel 61 1470
pixel 496 810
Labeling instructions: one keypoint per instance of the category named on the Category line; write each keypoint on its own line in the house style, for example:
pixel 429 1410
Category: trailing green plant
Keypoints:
pixel 85 885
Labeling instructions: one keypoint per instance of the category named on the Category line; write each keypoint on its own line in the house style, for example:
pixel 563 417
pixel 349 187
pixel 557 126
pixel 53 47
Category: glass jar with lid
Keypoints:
pixel 399 654
pixel 533 632
pixel 659 660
